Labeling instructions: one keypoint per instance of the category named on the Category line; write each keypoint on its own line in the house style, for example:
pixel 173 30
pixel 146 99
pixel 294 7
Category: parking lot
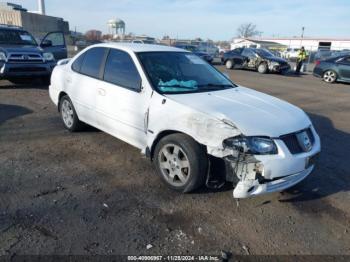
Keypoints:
pixel 89 193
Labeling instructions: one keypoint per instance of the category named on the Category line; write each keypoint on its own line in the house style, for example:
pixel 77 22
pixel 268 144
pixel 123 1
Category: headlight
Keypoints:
pixel 48 57
pixel 275 64
pixel 3 56
pixel 252 145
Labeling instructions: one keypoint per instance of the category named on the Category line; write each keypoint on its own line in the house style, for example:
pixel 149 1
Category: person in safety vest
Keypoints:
pixel 300 59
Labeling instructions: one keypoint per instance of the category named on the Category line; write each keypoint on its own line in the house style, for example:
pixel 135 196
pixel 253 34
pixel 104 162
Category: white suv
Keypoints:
pixel 181 112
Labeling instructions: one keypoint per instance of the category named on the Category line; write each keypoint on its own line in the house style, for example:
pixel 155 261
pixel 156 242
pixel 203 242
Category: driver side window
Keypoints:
pixel 121 70
pixel 56 39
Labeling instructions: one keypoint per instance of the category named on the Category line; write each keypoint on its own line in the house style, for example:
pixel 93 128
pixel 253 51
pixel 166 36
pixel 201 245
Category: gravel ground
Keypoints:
pixel 89 193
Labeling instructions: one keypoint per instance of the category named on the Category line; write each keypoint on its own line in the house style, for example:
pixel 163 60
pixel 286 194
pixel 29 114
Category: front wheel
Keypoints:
pixel 181 162
pixel 262 68
pixel 330 76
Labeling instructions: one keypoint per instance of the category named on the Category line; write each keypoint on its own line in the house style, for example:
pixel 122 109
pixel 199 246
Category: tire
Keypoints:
pixel 69 116
pixel 229 64
pixel 262 68
pixel 330 76
pixel 181 162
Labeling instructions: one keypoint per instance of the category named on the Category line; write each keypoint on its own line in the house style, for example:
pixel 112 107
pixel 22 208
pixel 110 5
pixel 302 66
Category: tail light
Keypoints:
pixel 317 62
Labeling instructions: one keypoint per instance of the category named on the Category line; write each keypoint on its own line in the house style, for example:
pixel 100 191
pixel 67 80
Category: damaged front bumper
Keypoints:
pixel 248 188
pixel 279 68
pixel 261 174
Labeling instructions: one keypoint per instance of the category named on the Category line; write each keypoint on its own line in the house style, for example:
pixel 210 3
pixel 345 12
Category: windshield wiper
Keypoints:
pixel 210 85
pixel 178 86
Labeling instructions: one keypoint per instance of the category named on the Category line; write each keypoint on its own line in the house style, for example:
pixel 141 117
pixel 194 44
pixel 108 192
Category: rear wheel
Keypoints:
pixel 330 76
pixel 69 116
pixel 262 68
pixel 229 64
pixel 181 162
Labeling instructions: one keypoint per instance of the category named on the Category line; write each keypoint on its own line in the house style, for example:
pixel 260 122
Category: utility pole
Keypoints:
pixel 302 35
pixel 302 32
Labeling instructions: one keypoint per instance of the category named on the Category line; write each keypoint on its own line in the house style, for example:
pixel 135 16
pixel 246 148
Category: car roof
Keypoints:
pixel 141 47
pixel 12 28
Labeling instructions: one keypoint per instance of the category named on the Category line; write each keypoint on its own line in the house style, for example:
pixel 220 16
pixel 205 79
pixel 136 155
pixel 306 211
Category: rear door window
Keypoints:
pixel 121 70
pixel 93 61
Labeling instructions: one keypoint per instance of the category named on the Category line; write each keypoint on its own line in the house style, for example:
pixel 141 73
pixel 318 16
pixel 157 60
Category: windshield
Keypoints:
pixel 178 72
pixel 14 37
pixel 263 52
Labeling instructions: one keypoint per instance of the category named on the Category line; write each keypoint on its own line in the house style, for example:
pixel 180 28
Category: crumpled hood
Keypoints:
pixel 21 49
pixel 252 112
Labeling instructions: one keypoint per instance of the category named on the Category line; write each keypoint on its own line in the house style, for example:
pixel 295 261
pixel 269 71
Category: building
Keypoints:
pixel 254 43
pixel 93 35
pixel 35 23
pixel 310 44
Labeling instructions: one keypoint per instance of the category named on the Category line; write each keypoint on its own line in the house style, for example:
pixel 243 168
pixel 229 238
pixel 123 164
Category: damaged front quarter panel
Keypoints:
pixel 209 131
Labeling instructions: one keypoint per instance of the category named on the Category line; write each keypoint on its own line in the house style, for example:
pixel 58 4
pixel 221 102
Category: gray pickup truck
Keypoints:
pixel 22 60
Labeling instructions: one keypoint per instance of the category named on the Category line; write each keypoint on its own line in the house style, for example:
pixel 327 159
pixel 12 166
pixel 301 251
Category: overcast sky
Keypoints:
pixel 214 19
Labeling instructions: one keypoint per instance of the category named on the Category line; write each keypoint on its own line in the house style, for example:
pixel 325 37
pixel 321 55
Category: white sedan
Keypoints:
pixel 181 112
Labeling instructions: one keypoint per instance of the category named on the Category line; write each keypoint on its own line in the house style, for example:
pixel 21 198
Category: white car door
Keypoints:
pixel 82 84
pixel 122 104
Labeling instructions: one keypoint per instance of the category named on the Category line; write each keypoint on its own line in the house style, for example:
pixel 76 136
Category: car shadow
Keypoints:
pixel 292 73
pixel 332 168
pixel 8 112
pixel 6 85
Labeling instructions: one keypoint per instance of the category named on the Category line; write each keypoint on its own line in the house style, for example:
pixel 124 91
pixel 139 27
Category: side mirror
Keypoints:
pixel 46 43
pixel 63 61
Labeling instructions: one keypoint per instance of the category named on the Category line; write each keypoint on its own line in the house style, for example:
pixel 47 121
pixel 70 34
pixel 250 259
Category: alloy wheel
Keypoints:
pixel 174 165
pixel 67 113
pixel 329 76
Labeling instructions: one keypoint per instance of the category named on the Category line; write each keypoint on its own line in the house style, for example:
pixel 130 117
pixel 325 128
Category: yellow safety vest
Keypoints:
pixel 302 55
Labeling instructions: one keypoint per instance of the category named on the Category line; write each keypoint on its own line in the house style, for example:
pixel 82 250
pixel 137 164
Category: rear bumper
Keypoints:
pixel 318 72
pixel 18 70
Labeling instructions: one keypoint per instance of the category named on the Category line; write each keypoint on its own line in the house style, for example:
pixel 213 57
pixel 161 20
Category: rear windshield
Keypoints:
pixel 14 37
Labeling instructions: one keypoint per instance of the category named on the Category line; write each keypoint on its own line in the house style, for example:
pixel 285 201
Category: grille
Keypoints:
pixel 292 142
pixel 25 58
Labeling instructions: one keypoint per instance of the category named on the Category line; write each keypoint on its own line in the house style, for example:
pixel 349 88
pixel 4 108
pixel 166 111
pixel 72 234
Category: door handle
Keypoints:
pixel 101 92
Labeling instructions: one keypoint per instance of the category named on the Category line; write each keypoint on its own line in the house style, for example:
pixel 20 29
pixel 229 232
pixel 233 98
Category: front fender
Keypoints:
pixel 168 115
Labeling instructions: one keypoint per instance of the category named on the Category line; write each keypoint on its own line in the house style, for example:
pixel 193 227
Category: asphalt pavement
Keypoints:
pixel 89 193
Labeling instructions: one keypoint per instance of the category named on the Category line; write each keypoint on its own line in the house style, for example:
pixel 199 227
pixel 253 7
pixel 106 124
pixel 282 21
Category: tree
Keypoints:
pixel 247 30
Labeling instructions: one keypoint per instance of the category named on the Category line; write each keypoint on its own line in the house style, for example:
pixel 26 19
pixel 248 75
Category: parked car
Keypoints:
pixel 194 49
pixel 180 112
pixel 22 59
pixel 82 44
pixel 333 69
pixel 138 41
pixel 260 60
pixel 291 53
